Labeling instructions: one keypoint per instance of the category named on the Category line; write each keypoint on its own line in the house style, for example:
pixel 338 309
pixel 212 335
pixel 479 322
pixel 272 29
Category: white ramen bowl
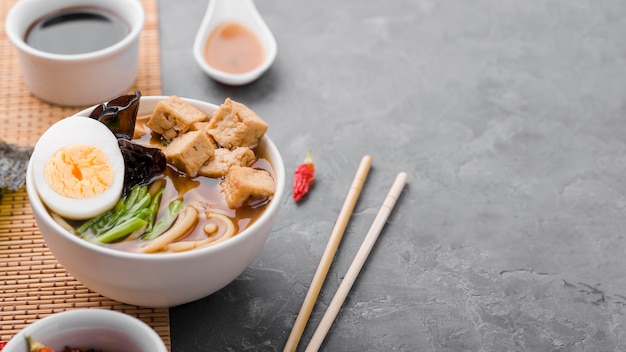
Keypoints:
pixel 159 279
pixel 76 79
pixel 103 330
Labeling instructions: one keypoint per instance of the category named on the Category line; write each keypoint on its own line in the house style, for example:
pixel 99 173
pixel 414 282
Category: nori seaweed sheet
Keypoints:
pixel 13 164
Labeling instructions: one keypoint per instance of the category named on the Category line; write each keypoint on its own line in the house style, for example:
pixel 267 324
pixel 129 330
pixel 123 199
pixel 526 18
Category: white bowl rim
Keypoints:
pixel 98 314
pixel 272 207
pixel 127 41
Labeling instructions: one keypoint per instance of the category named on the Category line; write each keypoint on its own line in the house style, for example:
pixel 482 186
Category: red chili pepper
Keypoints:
pixel 303 177
pixel 2 343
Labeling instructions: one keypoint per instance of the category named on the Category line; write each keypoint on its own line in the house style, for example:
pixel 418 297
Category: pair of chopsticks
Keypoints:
pixel 329 253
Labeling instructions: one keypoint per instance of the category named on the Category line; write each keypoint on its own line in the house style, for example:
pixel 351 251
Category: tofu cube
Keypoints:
pixel 245 185
pixel 173 116
pixel 190 151
pixel 199 126
pixel 223 159
pixel 235 125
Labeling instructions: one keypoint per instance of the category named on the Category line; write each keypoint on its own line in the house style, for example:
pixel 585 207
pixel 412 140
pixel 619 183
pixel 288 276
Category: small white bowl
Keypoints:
pixel 100 329
pixel 245 13
pixel 76 79
pixel 159 279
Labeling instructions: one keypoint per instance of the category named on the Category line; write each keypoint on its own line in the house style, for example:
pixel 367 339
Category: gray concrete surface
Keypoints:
pixel 509 117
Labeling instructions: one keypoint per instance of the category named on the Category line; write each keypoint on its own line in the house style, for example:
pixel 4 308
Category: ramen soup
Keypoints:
pixel 205 194
pixel 207 211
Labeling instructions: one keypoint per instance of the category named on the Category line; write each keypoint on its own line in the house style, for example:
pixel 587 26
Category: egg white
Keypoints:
pixel 76 130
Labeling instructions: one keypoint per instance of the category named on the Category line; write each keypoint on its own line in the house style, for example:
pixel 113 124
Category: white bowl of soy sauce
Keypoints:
pixel 76 52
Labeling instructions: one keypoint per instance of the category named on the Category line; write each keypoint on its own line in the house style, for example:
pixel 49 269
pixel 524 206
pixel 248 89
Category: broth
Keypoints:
pixel 202 192
pixel 76 30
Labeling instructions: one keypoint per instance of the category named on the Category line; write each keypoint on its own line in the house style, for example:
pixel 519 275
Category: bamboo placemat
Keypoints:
pixel 33 284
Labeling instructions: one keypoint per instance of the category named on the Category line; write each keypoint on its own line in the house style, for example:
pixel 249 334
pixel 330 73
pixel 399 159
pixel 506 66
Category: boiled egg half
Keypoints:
pixel 78 168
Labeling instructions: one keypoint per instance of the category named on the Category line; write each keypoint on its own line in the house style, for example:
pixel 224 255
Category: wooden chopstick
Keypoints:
pixel 357 263
pixel 329 254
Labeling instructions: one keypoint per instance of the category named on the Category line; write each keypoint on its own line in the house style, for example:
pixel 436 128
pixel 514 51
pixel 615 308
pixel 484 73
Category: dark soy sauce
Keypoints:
pixel 76 31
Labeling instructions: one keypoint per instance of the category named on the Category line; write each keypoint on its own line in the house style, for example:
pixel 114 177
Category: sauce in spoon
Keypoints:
pixel 234 48
pixel 233 45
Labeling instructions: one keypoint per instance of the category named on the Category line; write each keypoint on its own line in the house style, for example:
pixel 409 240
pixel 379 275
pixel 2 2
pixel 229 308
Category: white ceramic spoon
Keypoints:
pixel 245 13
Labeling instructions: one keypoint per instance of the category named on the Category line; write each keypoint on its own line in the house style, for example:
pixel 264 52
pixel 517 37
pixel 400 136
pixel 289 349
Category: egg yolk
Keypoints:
pixel 79 171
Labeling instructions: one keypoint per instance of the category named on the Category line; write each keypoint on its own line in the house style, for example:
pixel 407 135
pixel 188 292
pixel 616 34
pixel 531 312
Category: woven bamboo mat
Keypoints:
pixel 32 283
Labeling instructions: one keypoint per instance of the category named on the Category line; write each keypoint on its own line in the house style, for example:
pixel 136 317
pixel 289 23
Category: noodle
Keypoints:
pixel 183 246
pixel 186 221
pixel 209 241
pixel 230 226
pixel 59 220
